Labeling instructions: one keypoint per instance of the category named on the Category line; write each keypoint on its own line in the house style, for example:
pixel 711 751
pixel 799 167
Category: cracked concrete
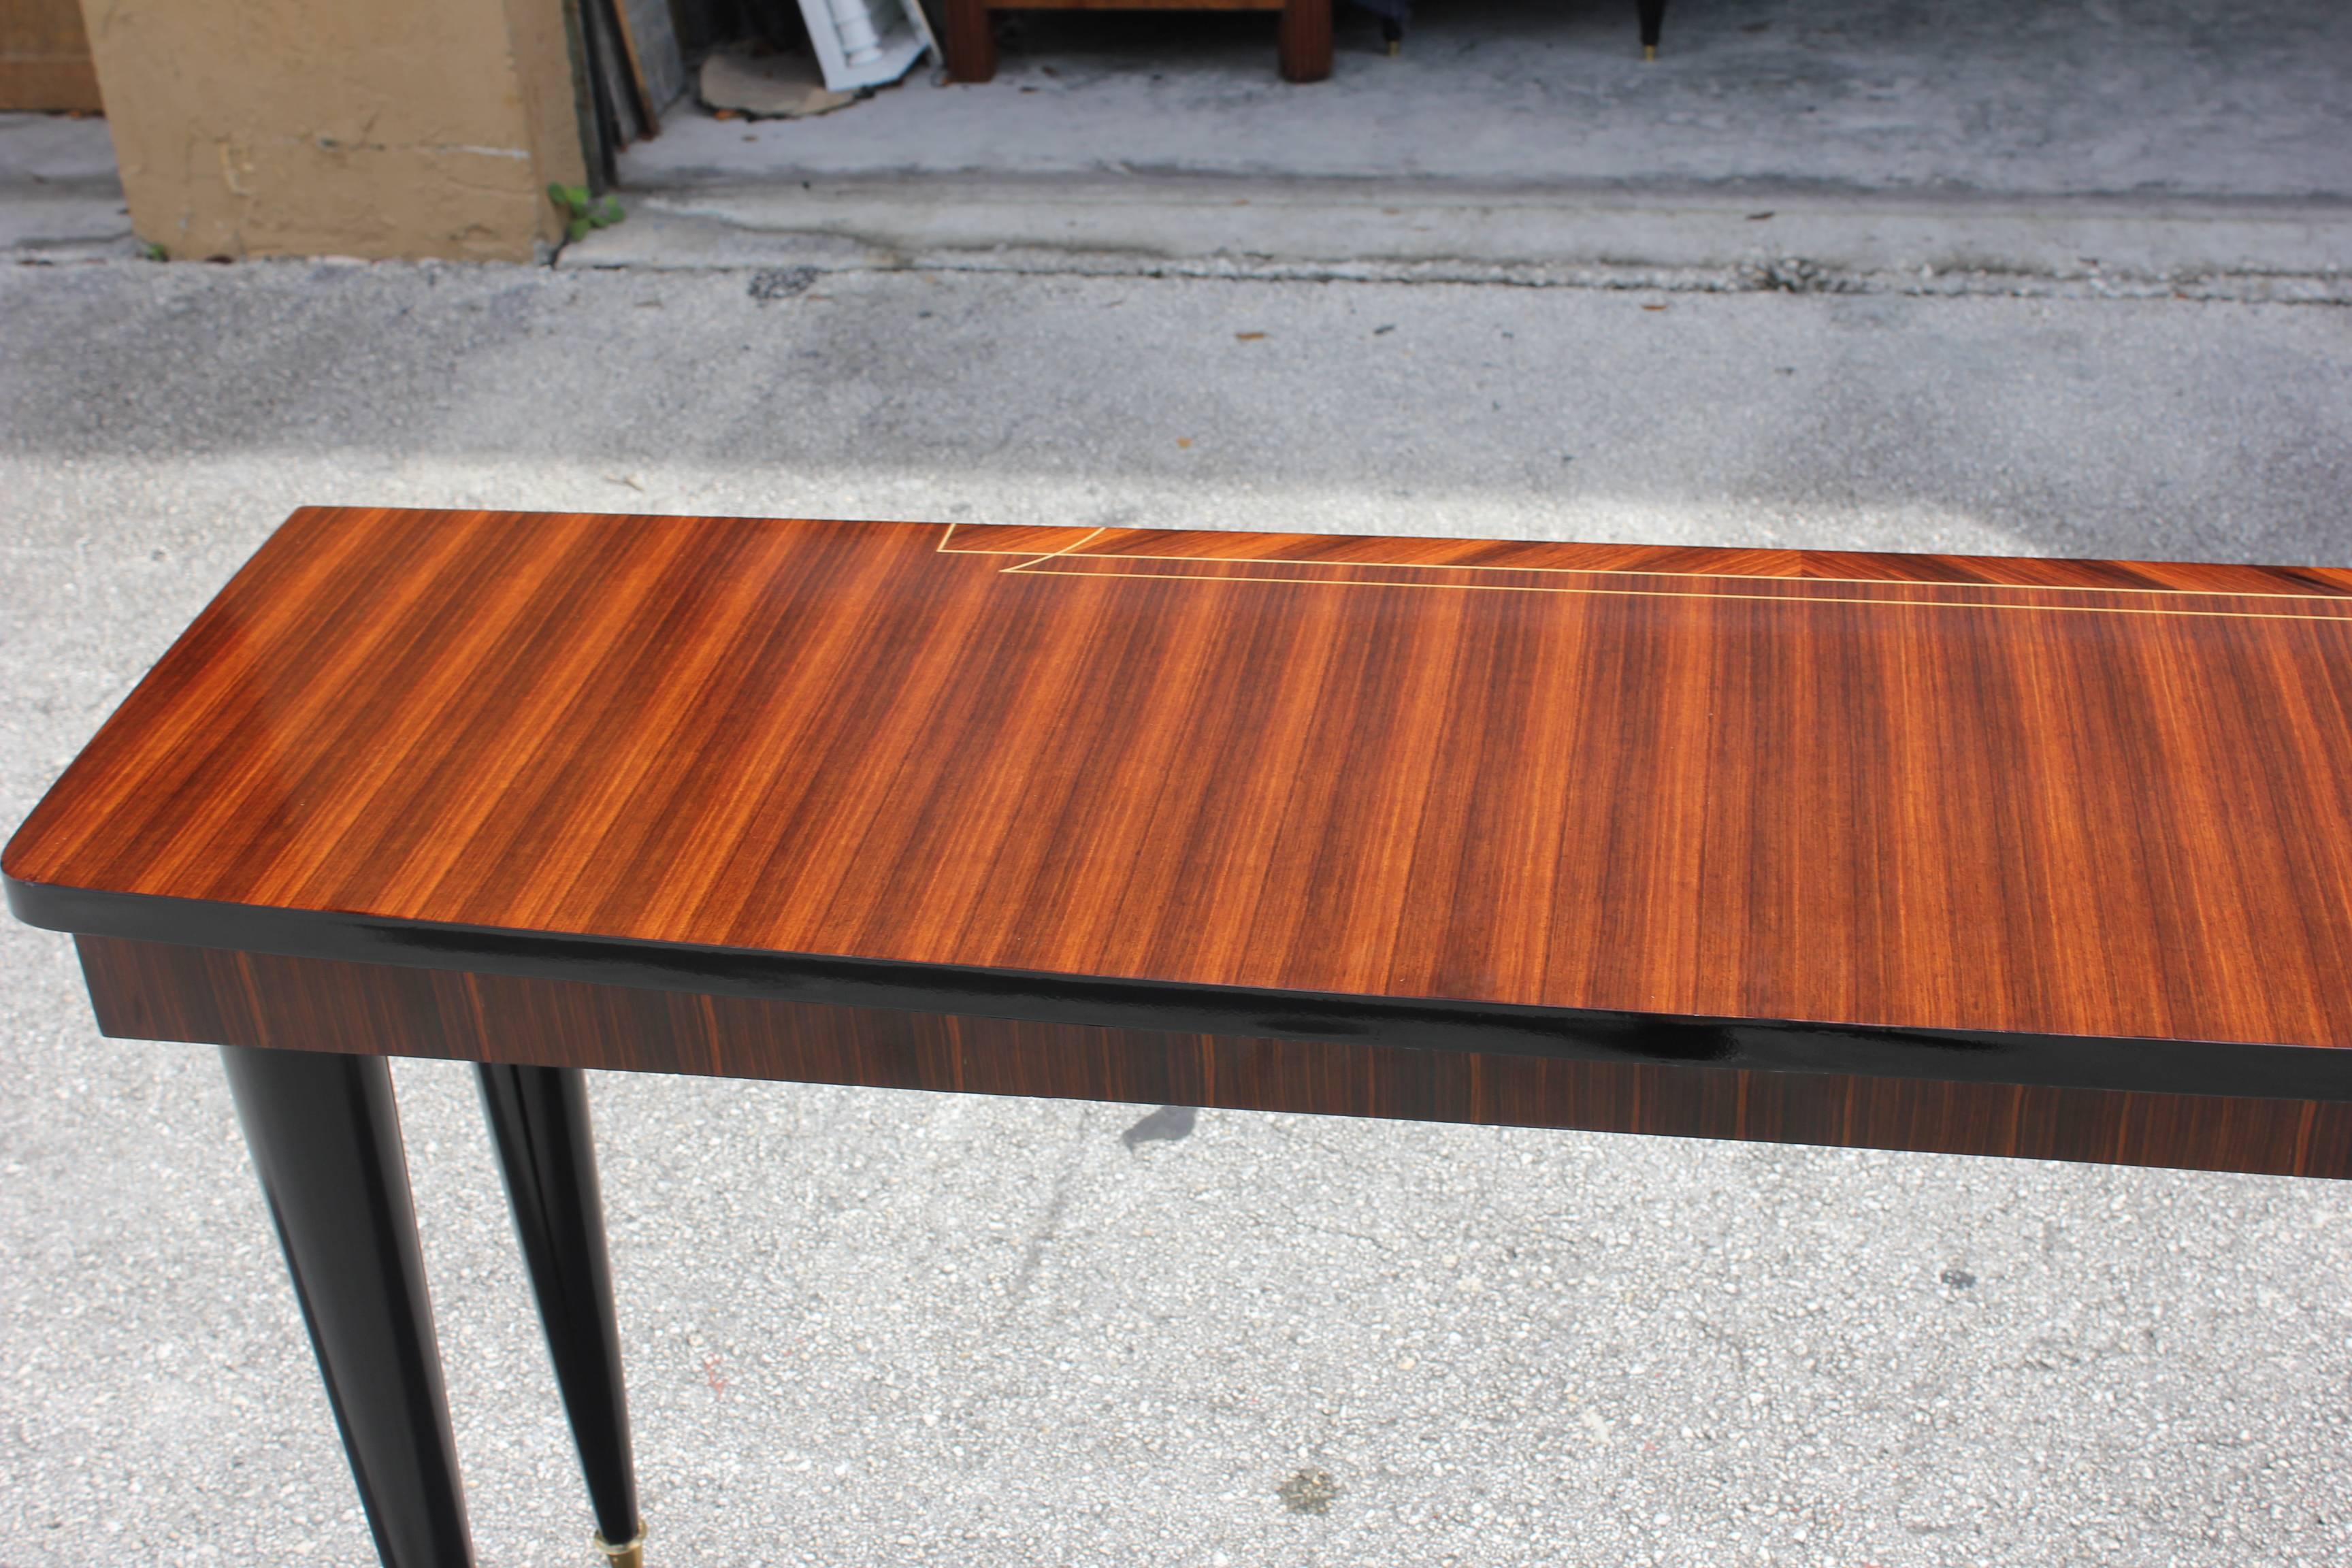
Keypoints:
pixel 1452 232
pixel 2181 98
pixel 60 197
pixel 2131 146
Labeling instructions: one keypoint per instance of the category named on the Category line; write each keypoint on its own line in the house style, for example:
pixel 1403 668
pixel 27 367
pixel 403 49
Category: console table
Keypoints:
pixel 2043 859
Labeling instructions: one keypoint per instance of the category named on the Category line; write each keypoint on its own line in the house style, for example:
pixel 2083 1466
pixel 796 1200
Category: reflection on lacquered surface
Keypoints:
pixel 2066 798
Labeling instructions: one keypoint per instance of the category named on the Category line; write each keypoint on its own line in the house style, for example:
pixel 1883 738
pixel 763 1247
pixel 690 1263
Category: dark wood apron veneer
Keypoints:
pixel 2047 858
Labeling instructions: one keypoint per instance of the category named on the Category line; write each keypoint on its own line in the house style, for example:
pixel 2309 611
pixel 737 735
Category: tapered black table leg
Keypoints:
pixel 326 1140
pixel 1653 15
pixel 539 1118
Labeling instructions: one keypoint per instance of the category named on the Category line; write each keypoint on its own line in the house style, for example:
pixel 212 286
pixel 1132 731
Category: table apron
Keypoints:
pixel 159 990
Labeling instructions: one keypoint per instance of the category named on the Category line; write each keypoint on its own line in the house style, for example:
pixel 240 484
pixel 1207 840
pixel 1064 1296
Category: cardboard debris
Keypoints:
pixel 769 86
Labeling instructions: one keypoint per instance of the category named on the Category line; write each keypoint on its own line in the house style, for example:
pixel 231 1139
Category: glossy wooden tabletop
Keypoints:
pixel 2057 798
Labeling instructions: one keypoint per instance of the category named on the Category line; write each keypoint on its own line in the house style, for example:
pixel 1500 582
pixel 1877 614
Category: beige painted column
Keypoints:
pixel 373 128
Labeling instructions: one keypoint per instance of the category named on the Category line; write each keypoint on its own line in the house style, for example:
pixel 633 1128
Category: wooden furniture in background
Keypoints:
pixel 1303 42
pixel 45 57
pixel 2032 858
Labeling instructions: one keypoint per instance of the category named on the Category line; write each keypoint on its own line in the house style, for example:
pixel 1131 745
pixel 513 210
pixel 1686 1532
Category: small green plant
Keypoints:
pixel 582 212
pixel 154 252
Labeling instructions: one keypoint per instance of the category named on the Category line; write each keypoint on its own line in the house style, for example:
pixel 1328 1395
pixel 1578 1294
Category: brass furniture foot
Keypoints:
pixel 630 1554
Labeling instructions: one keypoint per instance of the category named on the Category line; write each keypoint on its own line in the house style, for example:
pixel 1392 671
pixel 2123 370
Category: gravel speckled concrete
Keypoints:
pixel 868 1328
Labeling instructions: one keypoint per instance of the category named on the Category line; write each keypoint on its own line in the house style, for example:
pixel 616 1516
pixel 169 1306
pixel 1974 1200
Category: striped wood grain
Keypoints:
pixel 156 991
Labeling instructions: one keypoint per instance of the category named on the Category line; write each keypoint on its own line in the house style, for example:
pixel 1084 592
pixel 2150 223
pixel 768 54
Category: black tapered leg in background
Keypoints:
pixel 1653 17
pixel 539 1118
pixel 325 1138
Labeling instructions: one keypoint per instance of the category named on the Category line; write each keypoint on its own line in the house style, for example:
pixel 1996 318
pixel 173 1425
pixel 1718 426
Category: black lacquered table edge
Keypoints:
pixel 2159 1066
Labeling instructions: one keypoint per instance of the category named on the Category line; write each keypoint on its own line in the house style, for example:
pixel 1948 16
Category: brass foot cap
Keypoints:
pixel 630 1554
pixel 1649 51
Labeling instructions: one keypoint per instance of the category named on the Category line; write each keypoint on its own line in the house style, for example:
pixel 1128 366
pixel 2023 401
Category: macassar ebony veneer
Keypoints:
pixel 2029 857
pixel 164 992
pixel 2077 823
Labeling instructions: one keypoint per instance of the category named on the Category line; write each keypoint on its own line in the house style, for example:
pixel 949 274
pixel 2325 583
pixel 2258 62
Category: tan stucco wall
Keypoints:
pixel 374 128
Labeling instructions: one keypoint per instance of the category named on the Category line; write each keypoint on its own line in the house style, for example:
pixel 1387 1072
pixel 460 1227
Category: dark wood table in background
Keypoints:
pixel 1303 41
pixel 1987 856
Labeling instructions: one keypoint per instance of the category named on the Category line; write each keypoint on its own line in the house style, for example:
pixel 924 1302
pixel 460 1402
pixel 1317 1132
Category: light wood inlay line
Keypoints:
pixel 1052 554
pixel 1032 567
pixel 1079 552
